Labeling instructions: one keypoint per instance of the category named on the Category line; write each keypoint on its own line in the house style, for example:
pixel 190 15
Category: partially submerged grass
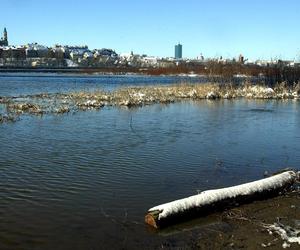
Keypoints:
pixel 134 96
pixel 24 107
pixel 7 118
pixel 61 103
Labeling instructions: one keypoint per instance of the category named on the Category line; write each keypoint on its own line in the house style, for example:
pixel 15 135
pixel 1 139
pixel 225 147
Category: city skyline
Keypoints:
pixel 257 30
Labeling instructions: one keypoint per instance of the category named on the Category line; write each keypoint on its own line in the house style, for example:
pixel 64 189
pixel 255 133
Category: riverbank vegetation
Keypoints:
pixel 61 103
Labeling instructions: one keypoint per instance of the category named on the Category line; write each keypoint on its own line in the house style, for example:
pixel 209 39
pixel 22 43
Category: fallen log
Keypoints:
pixel 218 199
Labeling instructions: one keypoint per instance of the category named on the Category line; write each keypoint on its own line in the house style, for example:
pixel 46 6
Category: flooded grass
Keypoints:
pixel 61 103
pixel 7 118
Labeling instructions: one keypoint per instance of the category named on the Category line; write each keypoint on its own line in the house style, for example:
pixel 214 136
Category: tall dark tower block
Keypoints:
pixel 178 51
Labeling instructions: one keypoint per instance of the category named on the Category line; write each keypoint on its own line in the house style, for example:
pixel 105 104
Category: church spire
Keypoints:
pixel 5 35
pixel 4 39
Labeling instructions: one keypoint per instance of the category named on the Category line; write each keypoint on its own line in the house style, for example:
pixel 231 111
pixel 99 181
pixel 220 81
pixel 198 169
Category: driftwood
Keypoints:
pixel 218 199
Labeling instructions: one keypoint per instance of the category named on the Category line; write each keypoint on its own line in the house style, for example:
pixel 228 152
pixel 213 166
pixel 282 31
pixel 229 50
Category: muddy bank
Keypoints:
pixel 250 226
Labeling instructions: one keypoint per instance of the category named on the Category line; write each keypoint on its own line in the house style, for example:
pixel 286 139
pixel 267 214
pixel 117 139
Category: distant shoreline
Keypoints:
pixel 214 71
pixel 104 71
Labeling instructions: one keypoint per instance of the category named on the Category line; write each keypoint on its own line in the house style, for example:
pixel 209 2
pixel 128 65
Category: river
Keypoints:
pixel 85 180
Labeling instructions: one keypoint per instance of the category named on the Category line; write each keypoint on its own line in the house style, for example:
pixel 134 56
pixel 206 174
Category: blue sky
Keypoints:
pixel 258 29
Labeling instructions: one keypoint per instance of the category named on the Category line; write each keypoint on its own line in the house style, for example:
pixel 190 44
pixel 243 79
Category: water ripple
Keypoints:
pixel 57 175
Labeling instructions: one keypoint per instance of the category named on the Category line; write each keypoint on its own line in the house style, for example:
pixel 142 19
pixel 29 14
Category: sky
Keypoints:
pixel 259 29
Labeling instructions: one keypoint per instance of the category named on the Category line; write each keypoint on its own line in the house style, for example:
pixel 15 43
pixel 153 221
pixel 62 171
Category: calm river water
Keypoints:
pixel 85 180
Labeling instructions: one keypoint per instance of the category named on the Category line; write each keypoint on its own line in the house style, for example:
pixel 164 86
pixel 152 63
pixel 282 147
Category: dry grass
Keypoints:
pixel 139 96
pixel 25 107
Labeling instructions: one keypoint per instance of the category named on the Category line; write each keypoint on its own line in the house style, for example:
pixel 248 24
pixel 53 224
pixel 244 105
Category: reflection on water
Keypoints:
pixel 27 84
pixel 85 180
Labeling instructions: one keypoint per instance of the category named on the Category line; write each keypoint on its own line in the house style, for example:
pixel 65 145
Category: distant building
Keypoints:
pixel 178 51
pixel 16 52
pixel 77 52
pixel 35 50
pixel 241 58
pixel 105 52
pixel 58 52
pixel 4 39
pixel 150 60
pixel 88 55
